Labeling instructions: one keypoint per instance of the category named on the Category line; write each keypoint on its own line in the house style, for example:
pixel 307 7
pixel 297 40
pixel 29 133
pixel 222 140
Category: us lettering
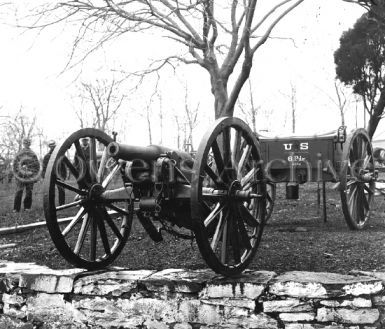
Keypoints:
pixel 287 146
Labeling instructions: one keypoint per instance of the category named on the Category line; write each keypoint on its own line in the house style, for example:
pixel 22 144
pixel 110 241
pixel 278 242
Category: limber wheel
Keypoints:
pixel 228 201
pixel 81 186
pixel 357 179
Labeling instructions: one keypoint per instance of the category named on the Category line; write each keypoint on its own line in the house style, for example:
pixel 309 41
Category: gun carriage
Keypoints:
pixel 219 196
pixel 346 160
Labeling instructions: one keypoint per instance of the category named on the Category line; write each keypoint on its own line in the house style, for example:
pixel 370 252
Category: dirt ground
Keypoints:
pixel 296 238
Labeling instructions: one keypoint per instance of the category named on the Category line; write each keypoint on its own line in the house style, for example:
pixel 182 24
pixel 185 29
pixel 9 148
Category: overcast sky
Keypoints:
pixel 30 76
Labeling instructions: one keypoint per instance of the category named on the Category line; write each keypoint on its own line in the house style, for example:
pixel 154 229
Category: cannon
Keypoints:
pixel 217 197
pixel 345 159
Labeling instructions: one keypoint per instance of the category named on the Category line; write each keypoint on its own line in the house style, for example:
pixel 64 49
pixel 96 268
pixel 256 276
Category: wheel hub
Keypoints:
pixel 95 191
pixel 236 193
pixel 235 186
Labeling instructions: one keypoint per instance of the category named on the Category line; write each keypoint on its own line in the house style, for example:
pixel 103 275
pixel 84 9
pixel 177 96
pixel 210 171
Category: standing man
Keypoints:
pixel 86 148
pixel 81 162
pixel 61 167
pixel 26 169
pixel 51 146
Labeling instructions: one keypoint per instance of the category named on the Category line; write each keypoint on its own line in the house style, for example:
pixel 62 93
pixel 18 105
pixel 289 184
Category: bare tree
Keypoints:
pixel 342 100
pixel 147 111
pixel 292 96
pixel 100 103
pixel 220 36
pixel 42 137
pixel 249 112
pixel 14 129
pixel 186 122
pixel 148 121
pixel 367 4
pixel 293 103
pixel 160 118
pixel 179 127
pixel 191 119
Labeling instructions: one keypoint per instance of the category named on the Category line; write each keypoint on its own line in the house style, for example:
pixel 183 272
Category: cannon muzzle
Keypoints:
pixel 129 152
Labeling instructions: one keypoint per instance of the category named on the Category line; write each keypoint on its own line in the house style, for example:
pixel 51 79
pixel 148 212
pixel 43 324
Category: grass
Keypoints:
pixel 296 238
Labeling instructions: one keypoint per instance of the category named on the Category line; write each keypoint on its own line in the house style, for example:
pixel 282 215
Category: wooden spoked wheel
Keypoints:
pixel 357 179
pixel 88 228
pixel 228 196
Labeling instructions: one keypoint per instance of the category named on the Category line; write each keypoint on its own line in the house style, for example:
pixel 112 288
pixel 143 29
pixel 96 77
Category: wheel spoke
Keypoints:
pixel 359 148
pixel 111 175
pixel 365 201
pixel 218 231
pixel 367 188
pixel 93 160
pixel 103 233
pixel 117 209
pixel 79 151
pixel 234 237
pixel 355 149
pixel 224 239
pixel 214 213
pixel 351 182
pixel 74 221
pixel 360 204
pixel 364 148
pixel 70 166
pixel 111 223
pixel 102 165
pixel 243 160
pixel 69 205
pixel 236 147
pixel 82 234
pixel 352 201
pixel 69 187
pixel 243 233
pixel 367 160
pixel 217 181
pixel 93 240
pixel 218 159
pixel 246 216
pixel 248 177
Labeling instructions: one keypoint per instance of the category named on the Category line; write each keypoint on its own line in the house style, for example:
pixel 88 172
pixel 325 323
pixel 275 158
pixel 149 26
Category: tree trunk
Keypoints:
pixel 253 109
pixel 377 115
pixel 219 90
pixel 149 127
pixel 161 120
pixel 178 133
pixel 220 105
pixel 342 117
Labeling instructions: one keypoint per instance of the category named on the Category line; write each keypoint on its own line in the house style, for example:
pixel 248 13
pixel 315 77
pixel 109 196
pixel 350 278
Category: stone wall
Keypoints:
pixel 36 297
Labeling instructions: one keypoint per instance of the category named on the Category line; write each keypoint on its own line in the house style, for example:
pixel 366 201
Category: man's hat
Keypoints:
pixel 51 143
pixel 26 141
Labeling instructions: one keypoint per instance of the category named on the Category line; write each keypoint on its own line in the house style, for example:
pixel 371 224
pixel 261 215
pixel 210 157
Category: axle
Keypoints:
pixel 124 193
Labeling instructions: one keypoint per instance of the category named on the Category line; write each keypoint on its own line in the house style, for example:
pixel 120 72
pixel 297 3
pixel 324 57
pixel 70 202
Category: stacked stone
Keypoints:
pixel 37 297
pixel 308 300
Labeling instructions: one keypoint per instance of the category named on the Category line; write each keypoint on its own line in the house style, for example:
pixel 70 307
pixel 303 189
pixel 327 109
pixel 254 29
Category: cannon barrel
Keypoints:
pixel 147 153
pixel 130 152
